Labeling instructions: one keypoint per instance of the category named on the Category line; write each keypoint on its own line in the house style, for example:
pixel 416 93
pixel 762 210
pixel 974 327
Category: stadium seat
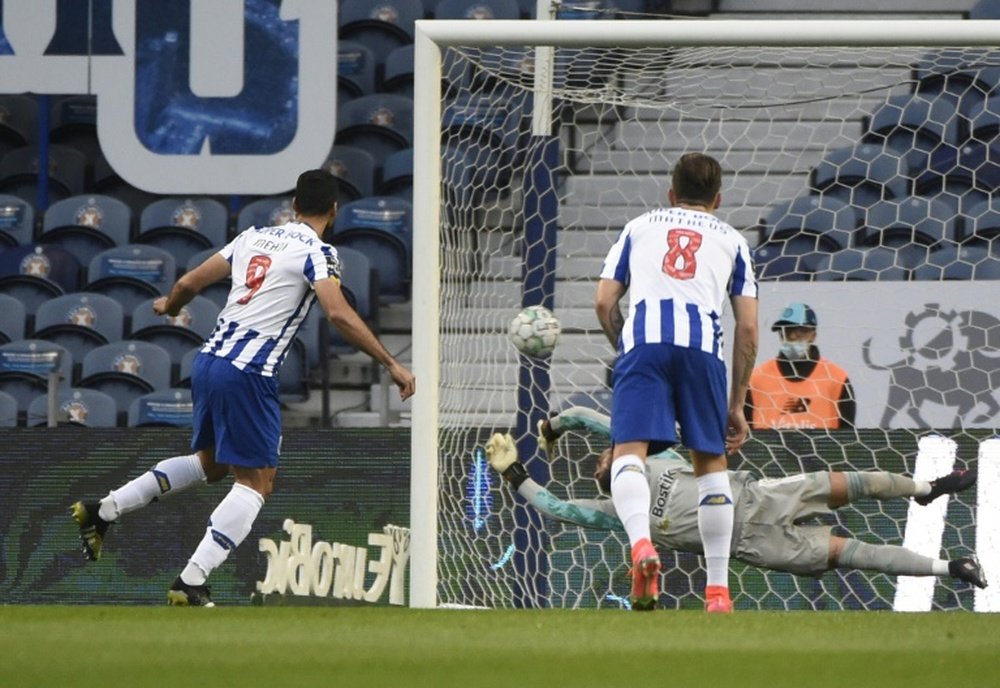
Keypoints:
pixel 73 123
pixel 480 119
pixel 354 169
pixel 170 407
pixel 791 259
pixel 380 124
pixel 19 172
pixel 585 10
pixel 380 227
pixel 25 367
pixel 36 273
pixel 179 335
pixel 952 263
pixel 77 406
pixel 914 219
pixel 184 226
pixel 832 220
pixel 86 225
pixel 982 222
pixel 184 371
pixel 107 182
pixel 265 212
pixel 80 322
pixel 131 274
pixel 973 168
pixel 18 121
pixel 477 9
pixel 397 176
pixel 380 26
pixel 399 77
pixel 17 221
pixel 862 175
pixel 13 319
pixel 862 265
pixel 962 74
pixel 8 411
pixel 293 378
pixel 913 121
pixel 984 120
pixel 217 293
pixel 355 71
pixel 126 370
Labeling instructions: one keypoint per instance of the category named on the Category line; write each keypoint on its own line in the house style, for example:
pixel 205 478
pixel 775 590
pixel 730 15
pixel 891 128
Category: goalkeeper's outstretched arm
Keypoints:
pixel 590 513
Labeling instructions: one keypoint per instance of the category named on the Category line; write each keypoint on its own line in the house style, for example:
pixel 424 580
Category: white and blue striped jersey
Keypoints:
pixel 274 270
pixel 679 266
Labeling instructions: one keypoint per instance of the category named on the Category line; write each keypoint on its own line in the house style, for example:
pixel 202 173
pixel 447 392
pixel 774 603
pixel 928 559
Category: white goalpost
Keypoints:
pixel 534 141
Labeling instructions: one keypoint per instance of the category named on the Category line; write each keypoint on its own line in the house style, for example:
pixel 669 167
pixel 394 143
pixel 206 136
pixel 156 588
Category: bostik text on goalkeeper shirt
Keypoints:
pixel 680 266
pixel 274 270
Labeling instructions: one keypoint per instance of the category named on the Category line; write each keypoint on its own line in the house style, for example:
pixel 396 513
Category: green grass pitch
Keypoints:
pixel 78 647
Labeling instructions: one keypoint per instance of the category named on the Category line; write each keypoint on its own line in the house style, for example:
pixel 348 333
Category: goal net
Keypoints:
pixel 857 162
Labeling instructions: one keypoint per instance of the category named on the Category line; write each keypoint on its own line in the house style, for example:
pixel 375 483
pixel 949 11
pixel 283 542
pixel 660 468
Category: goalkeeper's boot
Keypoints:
pixel 645 576
pixel 717 600
pixel 92 527
pixel 969 570
pixel 183 595
pixel 956 481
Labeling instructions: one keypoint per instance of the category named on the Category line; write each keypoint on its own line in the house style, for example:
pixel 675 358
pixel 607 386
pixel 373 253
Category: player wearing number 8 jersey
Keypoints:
pixel 278 272
pixel 680 265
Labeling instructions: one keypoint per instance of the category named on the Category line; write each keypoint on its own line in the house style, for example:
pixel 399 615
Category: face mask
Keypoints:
pixel 795 351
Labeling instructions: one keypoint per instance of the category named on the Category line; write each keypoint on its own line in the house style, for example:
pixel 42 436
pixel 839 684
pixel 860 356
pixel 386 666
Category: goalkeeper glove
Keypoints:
pixel 502 456
pixel 547 437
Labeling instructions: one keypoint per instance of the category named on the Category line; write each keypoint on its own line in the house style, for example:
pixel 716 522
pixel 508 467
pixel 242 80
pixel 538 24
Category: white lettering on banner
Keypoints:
pixel 29 26
pixel 332 569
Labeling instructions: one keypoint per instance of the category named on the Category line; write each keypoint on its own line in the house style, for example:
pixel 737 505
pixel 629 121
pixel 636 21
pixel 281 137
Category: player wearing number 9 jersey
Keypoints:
pixel 278 272
pixel 680 265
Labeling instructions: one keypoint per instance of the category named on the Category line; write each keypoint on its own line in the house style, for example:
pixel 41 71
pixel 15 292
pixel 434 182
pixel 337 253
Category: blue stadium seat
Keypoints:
pixel 380 26
pixel 975 167
pixel 217 293
pixel 477 9
pixel 108 183
pixel 17 221
pixel 8 411
pixel 73 123
pixel 380 124
pixel 399 72
pixel 354 169
pixel 969 74
pixel 789 259
pixel 80 322
pixel 131 274
pixel 359 284
pixel 293 377
pixel 265 212
pixel 126 370
pixel 179 335
pixel 397 176
pixel 355 71
pixel 19 169
pixel 36 273
pixel 87 407
pixel 380 227
pixel 25 367
pixel 982 222
pixel 18 121
pixel 952 263
pixel 862 175
pixel 13 319
pixel 913 121
pixel 862 265
pixel 485 120
pixel 832 220
pixel 184 371
pixel 984 120
pixel 86 225
pixel 170 408
pixel 184 226
pixel 585 10
pixel 910 220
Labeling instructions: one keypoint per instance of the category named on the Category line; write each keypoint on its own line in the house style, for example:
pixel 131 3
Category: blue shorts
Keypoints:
pixel 237 414
pixel 659 386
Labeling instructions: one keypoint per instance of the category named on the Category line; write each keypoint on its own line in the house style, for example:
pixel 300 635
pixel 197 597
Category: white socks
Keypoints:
pixel 165 478
pixel 630 495
pixel 715 523
pixel 227 527
pixel 891 559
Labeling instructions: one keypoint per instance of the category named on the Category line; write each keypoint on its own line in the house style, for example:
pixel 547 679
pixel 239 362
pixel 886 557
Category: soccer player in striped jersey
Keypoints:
pixel 279 272
pixel 769 513
pixel 679 265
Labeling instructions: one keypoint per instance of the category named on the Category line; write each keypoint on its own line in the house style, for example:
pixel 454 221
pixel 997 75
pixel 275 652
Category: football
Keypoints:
pixel 534 331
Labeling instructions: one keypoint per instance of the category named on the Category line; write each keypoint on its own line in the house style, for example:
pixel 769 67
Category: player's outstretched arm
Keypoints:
pixel 191 284
pixel 577 418
pixel 340 314
pixel 501 453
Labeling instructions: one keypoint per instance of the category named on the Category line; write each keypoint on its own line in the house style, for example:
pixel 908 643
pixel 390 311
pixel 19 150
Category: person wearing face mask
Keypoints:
pixel 799 389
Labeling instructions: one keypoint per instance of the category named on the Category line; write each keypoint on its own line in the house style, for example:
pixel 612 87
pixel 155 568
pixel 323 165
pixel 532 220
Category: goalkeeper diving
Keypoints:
pixel 769 526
